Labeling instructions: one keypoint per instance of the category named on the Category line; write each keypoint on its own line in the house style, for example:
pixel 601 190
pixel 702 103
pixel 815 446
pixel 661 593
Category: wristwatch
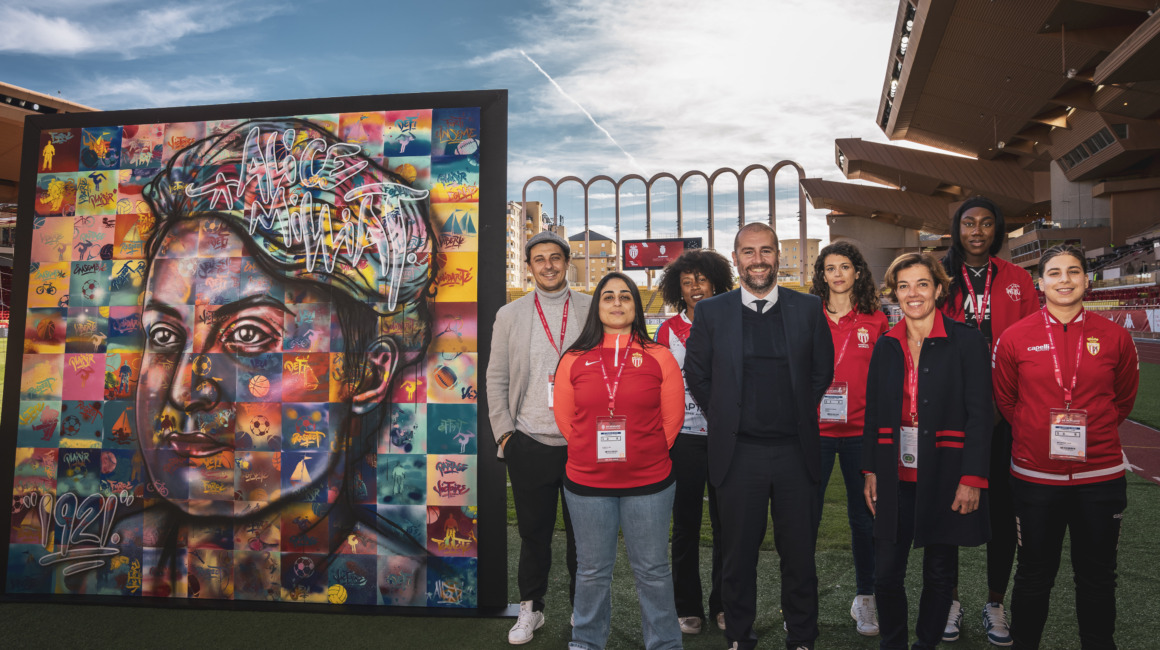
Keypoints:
pixel 504 437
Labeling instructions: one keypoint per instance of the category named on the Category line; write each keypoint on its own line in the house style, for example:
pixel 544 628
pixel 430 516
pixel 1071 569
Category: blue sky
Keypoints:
pixel 677 85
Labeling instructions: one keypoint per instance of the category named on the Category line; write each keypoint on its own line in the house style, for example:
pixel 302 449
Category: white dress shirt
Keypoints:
pixel 748 299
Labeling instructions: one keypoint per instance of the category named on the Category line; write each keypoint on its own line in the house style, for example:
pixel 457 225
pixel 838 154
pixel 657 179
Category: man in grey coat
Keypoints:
pixel 529 337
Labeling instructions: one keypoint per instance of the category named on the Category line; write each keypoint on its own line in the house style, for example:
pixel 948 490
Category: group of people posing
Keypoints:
pixel 753 392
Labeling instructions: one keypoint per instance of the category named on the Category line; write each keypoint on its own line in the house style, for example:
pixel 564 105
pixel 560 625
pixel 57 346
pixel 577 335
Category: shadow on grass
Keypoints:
pixel 39 626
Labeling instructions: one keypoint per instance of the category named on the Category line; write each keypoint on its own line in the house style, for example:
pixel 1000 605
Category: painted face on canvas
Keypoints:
pixel 201 361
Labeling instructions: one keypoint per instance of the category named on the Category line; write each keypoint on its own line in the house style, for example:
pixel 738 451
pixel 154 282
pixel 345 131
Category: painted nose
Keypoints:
pixel 190 390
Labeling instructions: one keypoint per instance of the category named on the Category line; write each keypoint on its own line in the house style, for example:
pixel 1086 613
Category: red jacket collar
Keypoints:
pixel 1078 317
pixel 939 331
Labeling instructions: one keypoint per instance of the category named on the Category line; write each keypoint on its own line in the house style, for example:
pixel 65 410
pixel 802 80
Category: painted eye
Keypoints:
pixel 164 338
pixel 247 336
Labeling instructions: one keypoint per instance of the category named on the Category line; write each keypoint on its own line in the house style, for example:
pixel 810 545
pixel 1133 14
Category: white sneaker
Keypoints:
pixel 690 624
pixel 954 622
pixel 995 624
pixel 865 613
pixel 527 623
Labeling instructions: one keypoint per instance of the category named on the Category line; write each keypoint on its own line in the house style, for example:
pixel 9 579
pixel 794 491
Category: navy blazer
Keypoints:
pixel 955 421
pixel 714 366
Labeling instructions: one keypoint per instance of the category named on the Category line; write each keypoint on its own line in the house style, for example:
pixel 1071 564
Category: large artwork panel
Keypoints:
pixel 252 355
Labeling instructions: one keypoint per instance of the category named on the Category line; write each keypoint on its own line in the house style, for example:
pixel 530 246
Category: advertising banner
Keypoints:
pixel 655 253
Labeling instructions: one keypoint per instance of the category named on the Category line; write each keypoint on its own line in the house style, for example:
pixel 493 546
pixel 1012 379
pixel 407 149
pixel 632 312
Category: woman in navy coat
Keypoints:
pixel 925 449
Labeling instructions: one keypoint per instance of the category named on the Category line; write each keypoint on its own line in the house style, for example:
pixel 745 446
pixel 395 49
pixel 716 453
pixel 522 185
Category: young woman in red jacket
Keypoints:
pixel 843 281
pixel 925 449
pixel 620 401
pixel 689 279
pixel 1066 379
pixel 991 294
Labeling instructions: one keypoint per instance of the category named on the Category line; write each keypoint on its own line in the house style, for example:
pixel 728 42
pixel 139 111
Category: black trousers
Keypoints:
pixel 690 455
pixel 940 564
pixel 1001 548
pixel 1092 514
pixel 536 472
pixel 761 475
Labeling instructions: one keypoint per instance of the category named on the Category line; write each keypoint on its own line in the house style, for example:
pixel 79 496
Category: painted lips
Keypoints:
pixel 194 445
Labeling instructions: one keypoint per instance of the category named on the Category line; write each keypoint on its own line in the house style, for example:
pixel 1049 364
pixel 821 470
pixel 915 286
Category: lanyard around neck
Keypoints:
pixel 563 324
pixel 614 386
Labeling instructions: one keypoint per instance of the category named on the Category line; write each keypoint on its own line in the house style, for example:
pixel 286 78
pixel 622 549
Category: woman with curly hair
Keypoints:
pixel 695 275
pixel 843 281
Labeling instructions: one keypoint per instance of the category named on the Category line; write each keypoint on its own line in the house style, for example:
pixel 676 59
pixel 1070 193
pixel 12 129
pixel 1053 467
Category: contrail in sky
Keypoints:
pixel 585 111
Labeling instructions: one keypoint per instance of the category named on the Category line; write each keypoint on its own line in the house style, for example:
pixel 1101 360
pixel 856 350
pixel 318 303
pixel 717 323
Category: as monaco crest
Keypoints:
pixel 1014 293
pixel 863 335
pixel 1093 346
pixel 638 358
pixel 632 251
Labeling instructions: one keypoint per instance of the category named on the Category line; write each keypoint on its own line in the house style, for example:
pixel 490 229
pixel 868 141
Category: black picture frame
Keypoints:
pixel 492 525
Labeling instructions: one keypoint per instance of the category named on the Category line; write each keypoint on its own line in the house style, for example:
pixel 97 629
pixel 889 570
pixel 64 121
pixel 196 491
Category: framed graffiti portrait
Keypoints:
pixel 248 364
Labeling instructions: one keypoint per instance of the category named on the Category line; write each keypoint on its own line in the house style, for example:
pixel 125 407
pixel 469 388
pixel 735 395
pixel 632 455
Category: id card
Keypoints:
pixel 611 439
pixel 908 450
pixel 1068 435
pixel 551 390
pixel 834 403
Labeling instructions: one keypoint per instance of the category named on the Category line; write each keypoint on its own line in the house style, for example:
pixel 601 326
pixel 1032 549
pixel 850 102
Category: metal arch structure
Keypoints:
pixel 710 181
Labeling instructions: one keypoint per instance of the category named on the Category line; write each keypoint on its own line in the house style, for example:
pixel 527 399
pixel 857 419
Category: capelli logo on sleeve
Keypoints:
pixel 1039 348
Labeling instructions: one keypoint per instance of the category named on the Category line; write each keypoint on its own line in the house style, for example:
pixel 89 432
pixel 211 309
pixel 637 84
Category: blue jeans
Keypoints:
pixel 645 522
pixel 849 453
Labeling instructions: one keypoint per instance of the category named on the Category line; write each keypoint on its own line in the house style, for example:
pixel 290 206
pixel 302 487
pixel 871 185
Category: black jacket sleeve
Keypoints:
pixel 974 358
pixel 699 360
pixel 870 422
pixel 822 371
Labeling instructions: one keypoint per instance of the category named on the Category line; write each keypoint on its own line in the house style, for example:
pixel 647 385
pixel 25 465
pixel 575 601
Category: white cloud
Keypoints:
pixel 76 29
pixel 687 85
pixel 142 93
pixel 498 55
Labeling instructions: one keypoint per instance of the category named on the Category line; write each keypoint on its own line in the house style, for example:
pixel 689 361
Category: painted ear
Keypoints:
pixel 381 360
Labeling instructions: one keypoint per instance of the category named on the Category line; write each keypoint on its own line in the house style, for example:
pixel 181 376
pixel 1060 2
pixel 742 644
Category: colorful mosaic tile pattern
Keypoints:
pixel 249 364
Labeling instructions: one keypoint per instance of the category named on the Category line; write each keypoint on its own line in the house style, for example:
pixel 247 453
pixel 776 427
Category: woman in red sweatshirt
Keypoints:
pixel 1066 378
pixel 990 294
pixel 620 401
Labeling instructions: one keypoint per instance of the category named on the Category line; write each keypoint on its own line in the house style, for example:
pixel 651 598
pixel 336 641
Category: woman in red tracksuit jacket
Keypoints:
pixel 620 401
pixel 990 294
pixel 1066 378
pixel 695 275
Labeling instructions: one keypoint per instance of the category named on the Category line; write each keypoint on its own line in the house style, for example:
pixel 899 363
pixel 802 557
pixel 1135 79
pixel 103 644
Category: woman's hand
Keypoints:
pixel 870 490
pixel 966 499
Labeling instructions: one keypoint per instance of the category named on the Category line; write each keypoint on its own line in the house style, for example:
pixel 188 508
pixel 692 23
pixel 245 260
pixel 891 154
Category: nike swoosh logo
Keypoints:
pixel 588 363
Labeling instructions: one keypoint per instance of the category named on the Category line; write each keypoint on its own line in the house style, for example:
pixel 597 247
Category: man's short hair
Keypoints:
pixel 755 225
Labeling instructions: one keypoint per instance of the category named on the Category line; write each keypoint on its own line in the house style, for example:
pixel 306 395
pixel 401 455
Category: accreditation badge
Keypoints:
pixel 908 450
pixel 1068 439
pixel 551 390
pixel 834 403
pixel 611 439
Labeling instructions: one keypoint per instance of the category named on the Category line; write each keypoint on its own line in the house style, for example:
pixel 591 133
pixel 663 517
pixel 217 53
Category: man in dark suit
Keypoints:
pixel 758 361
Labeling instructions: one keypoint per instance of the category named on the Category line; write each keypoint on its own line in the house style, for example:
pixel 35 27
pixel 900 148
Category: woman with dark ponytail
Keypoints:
pixel 991 294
